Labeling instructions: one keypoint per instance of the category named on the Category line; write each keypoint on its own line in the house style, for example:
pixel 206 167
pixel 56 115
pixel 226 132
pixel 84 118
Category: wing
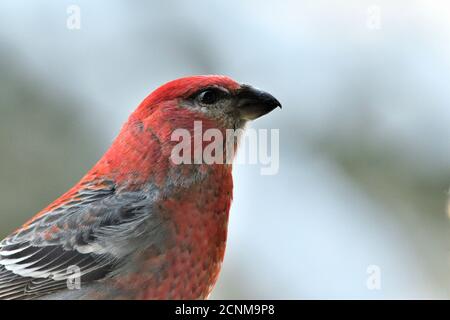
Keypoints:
pixel 88 230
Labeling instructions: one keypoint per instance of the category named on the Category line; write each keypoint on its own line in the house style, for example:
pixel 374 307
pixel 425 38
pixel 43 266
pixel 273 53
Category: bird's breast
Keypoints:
pixel 196 223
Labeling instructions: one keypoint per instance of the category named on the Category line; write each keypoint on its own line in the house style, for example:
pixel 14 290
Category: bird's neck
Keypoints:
pixel 145 152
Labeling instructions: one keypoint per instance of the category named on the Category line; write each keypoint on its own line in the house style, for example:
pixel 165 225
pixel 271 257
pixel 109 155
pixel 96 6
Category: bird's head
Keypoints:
pixel 156 130
pixel 218 98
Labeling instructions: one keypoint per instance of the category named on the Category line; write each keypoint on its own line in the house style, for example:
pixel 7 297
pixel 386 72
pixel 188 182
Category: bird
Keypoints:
pixel 139 226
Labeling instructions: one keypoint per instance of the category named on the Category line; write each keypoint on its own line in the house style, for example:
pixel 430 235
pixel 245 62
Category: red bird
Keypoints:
pixel 139 226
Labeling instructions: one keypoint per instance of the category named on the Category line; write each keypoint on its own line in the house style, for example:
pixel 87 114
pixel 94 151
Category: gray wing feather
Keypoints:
pixel 93 233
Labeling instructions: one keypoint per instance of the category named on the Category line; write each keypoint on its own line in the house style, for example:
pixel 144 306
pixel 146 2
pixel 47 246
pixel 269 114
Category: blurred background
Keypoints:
pixel 364 131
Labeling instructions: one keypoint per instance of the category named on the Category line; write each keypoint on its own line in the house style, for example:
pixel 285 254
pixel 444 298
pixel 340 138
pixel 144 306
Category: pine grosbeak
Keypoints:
pixel 138 226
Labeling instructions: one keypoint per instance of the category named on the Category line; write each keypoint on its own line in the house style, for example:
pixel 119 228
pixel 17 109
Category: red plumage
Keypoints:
pixel 137 225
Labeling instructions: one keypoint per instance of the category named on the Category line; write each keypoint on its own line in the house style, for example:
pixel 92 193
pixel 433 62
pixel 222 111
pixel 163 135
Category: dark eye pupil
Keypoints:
pixel 208 97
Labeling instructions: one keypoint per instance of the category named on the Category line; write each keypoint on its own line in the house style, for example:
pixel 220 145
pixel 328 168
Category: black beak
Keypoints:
pixel 253 103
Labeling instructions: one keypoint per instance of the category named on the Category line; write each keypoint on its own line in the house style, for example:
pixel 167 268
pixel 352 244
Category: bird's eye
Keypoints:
pixel 210 96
